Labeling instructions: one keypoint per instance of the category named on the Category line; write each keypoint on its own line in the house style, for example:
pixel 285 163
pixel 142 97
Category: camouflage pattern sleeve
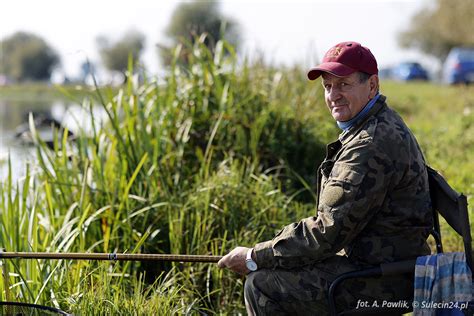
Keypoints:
pixel 353 190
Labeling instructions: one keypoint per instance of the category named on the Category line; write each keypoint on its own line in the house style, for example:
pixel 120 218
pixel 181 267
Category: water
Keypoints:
pixel 14 114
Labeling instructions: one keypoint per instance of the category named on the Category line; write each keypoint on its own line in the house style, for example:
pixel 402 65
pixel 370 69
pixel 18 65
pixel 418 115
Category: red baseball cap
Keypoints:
pixel 344 59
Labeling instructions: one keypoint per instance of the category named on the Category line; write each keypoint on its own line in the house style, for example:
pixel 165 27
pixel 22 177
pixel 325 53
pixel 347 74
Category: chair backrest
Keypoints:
pixel 453 208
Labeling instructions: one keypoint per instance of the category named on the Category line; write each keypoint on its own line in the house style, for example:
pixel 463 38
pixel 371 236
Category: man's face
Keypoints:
pixel 347 96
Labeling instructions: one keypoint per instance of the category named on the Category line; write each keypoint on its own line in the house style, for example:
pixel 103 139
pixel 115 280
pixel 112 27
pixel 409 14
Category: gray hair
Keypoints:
pixel 363 76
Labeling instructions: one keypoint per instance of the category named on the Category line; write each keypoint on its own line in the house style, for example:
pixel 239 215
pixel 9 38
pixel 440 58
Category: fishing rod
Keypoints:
pixel 109 256
pixel 20 308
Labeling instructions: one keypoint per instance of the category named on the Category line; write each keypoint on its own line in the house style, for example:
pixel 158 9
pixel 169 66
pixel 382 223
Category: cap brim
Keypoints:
pixel 333 68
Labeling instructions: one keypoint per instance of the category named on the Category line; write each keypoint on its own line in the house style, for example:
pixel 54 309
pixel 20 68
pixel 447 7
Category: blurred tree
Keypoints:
pixel 436 30
pixel 115 55
pixel 26 56
pixel 191 19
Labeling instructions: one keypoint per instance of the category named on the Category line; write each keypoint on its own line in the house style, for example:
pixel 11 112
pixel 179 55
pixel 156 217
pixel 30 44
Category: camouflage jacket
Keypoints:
pixel 374 204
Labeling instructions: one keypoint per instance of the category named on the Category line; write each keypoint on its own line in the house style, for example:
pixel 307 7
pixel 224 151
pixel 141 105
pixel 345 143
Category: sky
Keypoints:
pixel 286 32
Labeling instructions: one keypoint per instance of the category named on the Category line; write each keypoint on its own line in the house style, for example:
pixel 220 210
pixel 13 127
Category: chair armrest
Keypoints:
pixel 392 268
pixel 399 267
pixel 371 272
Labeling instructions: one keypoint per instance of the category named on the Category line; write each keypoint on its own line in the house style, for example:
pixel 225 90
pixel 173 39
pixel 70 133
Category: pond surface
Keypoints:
pixel 14 117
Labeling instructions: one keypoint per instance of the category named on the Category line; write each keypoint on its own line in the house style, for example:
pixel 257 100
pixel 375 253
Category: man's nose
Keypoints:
pixel 334 94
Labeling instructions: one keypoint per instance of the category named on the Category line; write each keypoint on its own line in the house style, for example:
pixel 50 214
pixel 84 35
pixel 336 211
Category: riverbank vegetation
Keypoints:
pixel 214 155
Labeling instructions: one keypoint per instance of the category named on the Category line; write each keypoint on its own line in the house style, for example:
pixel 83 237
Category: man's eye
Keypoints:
pixel 343 84
pixel 327 86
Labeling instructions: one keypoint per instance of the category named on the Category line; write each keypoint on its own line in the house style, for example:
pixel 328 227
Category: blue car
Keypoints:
pixel 409 71
pixel 459 66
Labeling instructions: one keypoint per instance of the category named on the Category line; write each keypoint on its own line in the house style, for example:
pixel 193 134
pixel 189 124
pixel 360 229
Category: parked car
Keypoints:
pixel 409 71
pixel 459 66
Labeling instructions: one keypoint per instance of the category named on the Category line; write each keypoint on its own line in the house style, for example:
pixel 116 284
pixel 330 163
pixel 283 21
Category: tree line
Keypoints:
pixel 28 57
pixel 438 28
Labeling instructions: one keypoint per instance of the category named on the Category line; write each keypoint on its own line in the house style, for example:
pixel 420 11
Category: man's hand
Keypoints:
pixel 235 260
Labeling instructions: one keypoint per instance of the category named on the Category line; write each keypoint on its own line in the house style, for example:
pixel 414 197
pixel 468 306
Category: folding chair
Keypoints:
pixel 453 208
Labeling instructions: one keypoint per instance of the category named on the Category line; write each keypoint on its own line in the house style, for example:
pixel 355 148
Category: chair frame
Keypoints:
pixel 445 201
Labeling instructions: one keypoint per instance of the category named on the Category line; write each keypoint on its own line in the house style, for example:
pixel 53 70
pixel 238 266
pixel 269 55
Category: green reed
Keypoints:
pixel 183 164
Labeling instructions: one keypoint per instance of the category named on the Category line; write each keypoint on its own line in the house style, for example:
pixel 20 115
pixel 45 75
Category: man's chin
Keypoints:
pixel 340 114
pixel 340 118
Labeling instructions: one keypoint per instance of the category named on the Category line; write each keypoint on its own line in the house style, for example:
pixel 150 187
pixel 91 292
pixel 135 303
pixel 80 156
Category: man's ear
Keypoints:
pixel 373 85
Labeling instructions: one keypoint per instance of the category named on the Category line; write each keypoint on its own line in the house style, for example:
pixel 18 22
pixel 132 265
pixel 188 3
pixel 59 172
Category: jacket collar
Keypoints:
pixel 349 134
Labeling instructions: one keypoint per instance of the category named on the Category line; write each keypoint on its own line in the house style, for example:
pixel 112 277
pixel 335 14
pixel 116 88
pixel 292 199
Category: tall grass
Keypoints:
pixel 195 163
pixel 214 155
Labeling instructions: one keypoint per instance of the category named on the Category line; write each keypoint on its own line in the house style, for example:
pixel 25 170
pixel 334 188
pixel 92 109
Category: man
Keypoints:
pixel 373 207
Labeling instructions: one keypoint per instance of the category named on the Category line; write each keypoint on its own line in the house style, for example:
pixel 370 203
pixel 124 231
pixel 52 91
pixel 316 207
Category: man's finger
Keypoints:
pixel 221 263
